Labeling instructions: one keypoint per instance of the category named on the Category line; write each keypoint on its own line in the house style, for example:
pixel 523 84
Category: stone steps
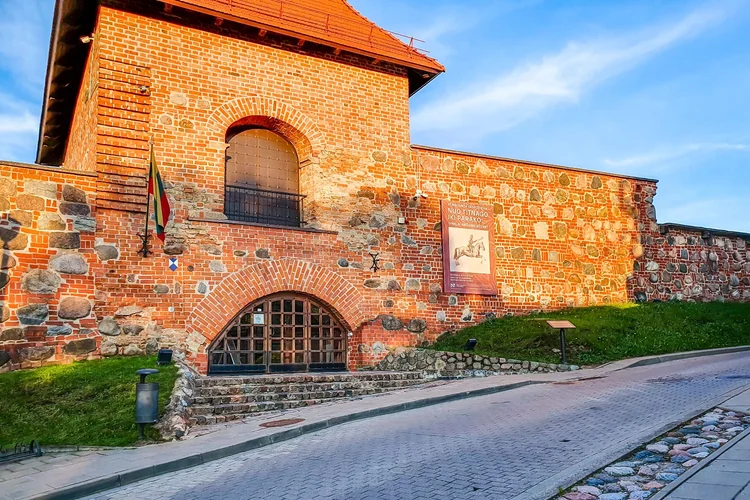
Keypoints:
pixel 222 399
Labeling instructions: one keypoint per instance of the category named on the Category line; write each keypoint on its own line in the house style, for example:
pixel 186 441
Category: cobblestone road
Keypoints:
pixel 490 447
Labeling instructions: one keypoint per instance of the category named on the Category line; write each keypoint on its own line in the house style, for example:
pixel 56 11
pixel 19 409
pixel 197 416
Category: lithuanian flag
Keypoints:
pixel 161 203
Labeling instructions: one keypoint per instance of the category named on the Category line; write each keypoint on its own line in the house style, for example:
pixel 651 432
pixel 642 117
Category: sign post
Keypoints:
pixel 468 238
pixel 562 326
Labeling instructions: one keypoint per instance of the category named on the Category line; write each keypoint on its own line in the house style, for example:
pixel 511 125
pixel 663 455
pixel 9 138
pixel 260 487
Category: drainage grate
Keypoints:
pixel 668 380
pixel 282 423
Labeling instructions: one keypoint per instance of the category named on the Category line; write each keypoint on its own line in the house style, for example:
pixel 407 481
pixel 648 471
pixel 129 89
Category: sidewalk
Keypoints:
pixel 81 473
pixel 726 475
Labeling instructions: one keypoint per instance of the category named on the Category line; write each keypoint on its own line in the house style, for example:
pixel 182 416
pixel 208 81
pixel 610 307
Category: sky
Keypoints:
pixel 649 88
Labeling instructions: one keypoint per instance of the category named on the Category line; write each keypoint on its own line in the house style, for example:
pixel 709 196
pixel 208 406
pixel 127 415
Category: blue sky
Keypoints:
pixel 649 88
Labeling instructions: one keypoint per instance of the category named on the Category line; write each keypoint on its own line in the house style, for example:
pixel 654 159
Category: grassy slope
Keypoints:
pixel 85 403
pixel 608 333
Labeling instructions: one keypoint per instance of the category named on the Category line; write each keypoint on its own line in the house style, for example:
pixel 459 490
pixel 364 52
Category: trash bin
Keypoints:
pixel 146 400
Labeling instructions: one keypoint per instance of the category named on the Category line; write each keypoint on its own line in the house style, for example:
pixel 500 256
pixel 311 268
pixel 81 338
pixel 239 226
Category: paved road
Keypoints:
pixel 495 446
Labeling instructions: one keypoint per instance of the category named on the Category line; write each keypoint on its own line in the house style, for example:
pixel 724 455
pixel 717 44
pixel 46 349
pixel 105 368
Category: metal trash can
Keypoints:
pixel 146 400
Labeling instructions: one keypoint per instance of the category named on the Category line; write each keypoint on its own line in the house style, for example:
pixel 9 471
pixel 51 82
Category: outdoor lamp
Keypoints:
pixel 164 357
pixel 470 345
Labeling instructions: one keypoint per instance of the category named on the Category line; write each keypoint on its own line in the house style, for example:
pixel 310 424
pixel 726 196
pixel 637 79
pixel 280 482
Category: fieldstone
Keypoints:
pixel 613 496
pixel 65 240
pixel 666 477
pixel 591 490
pixel 7 187
pixel 161 289
pixel 108 326
pixel 619 471
pixel 41 188
pixel 33 314
pixel 4 313
pixel 79 347
pixel 108 348
pixel 132 329
pixel 575 495
pixel 13 240
pixel 413 284
pixel 202 287
pixel 40 281
pixel 59 330
pixel 7 260
pixel 132 350
pixel 73 194
pixel 85 224
pixel 596 182
pixel 517 253
pixel 30 202
pixel 417 325
pixel 50 222
pixel 75 209
pixel 37 353
pixel 21 217
pixel 390 322
pixel 70 263
pixel 372 283
pixel 171 248
pixel 218 266
pixel 658 448
pixel 261 253
pixel 4 279
pixel 15 333
pixel 74 308
pixel 695 441
pixel 128 311
pixel 108 252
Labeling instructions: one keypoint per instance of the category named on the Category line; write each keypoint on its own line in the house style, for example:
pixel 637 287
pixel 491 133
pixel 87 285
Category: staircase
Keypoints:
pixel 221 399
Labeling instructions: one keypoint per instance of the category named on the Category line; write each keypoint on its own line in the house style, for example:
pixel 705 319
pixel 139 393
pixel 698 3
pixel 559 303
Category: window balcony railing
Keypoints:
pixel 263 206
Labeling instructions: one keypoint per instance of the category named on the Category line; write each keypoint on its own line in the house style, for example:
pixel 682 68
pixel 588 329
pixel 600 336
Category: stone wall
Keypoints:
pixel 436 364
pixel 48 259
pixel 691 263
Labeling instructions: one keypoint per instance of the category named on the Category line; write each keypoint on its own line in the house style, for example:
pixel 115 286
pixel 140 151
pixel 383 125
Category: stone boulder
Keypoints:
pixel 73 194
pixel 37 353
pixel 108 348
pixel 74 308
pixel 132 350
pixel 417 325
pixel 65 240
pixel 390 322
pixel 59 330
pixel 13 240
pixel 40 281
pixel 79 347
pixel 4 280
pixel 106 252
pixel 108 326
pixel 32 314
pixel 14 333
pixel 70 263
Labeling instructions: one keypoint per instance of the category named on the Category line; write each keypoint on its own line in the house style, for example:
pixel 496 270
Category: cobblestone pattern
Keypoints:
pixel 493 447
pixel 657 464
pixel 456 364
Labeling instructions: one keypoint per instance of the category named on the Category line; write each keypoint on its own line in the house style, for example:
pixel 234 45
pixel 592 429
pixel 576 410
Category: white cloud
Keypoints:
pixel 511 98
pixel 667 155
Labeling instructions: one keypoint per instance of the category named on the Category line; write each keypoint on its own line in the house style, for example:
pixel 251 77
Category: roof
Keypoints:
pixel 329 22
pixel 667 226
pixel 332 23
pixel 533 163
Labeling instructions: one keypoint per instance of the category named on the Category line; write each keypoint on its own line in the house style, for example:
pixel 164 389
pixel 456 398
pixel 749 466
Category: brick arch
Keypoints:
pixel 263 111
pixel 241 288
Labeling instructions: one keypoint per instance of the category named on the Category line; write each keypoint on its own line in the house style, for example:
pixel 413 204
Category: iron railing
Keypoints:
pixel 263 206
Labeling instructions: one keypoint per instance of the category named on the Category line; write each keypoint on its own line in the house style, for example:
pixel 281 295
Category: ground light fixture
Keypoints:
pixel 146 400
pixel 470 345
pixel 562 326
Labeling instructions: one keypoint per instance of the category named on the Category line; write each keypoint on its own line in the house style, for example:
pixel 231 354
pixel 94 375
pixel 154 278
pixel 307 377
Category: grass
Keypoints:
pixel 608 333
pixel 84 403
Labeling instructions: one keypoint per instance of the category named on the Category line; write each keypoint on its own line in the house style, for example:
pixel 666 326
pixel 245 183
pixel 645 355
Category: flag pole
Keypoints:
pixel 144 251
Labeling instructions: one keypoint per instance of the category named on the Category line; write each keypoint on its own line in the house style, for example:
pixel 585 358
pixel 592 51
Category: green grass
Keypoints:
pixel 84 403
pixel 608 333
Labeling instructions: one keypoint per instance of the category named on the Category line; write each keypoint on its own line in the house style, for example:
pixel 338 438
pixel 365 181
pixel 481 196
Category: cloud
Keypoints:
pixel 525 91
pixel 666 155
pixel 23 50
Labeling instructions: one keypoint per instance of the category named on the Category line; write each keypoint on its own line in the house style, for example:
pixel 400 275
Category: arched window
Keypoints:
pixel 262 178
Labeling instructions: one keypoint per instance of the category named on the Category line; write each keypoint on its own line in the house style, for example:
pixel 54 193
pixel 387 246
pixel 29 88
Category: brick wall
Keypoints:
pixel 48 255
pixel 688 263
pixel 564 237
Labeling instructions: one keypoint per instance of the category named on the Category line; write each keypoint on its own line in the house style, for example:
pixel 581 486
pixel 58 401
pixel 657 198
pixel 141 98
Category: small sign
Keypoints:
pixel 561 325
pixel 258 318
pixel 173 263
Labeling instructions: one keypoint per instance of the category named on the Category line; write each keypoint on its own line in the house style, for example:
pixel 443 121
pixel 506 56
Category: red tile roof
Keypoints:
pixel 329 22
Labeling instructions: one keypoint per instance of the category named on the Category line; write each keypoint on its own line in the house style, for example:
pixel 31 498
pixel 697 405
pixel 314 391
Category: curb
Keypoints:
pixel 671 487
pixel 114 480
pixel 683 355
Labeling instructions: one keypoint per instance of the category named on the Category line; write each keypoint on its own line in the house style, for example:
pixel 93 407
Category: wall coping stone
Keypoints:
pixel 532 163
pixel 698 229
pixel 57 170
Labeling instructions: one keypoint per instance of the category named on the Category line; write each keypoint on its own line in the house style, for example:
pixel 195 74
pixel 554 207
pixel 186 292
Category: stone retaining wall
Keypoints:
pixel 435 364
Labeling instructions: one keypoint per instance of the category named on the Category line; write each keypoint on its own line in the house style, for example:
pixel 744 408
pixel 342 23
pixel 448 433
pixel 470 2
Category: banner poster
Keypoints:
pixel 468 234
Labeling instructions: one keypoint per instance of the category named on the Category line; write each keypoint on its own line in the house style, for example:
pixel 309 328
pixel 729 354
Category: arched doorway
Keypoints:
pixel 285 332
